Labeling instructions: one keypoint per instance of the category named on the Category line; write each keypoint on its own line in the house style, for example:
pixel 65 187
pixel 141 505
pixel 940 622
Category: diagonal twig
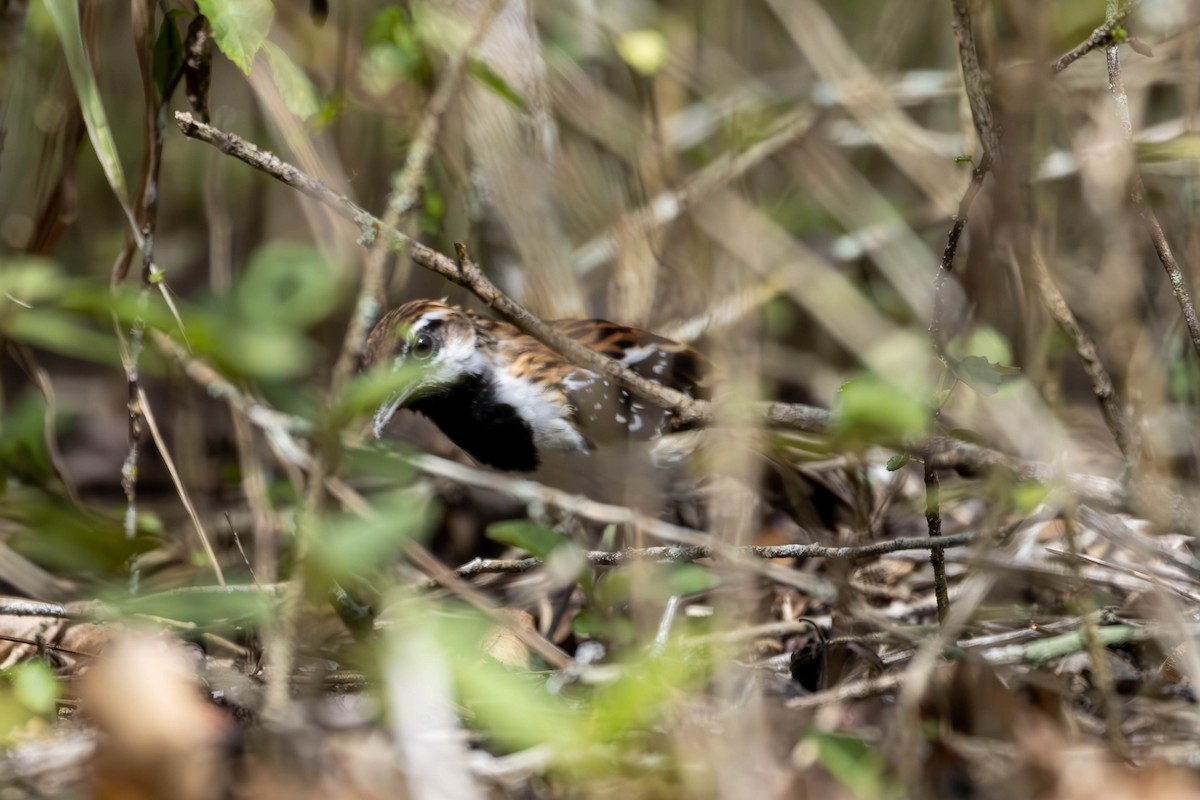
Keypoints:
pixel 1137 194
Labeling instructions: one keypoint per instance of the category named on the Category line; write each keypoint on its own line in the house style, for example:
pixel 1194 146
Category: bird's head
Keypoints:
pixel 434 343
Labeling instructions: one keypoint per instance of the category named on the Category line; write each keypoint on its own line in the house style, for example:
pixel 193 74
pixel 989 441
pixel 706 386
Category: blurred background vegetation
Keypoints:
pixel 773 181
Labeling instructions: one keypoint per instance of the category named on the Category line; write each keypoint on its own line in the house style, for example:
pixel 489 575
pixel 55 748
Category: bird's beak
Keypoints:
pixel 384 414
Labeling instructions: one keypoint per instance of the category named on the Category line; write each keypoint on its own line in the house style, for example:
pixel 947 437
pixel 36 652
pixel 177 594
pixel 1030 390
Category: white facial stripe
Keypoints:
pixel 546 415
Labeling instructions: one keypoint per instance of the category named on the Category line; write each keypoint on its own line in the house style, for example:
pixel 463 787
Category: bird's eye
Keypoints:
pixel 423 346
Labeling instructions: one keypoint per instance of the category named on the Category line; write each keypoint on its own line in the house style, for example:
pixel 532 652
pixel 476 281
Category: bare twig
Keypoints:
pixel 1085 347
pixel 668 206
pixel 687 409
pixel 1103 36
pixel 407 188
pixel 148 415
pixel 933 518
pixel 973 81
pixel 1137 194
pixel 606 558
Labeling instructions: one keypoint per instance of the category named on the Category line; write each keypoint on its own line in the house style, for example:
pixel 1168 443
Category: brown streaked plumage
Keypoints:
pixel 509 400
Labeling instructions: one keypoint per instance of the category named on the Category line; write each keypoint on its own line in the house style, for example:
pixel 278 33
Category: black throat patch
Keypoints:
pixel 472 416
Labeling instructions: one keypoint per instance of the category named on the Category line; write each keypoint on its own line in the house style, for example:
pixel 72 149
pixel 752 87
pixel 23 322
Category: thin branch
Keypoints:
pixel 1137 195
pixel 974 83
pixel 686 409
pixel 937 324
pixel 407 188
pixel 1085 347
pixel 937 558
pixel 1103 36
pixel 148 415
pixel 606 558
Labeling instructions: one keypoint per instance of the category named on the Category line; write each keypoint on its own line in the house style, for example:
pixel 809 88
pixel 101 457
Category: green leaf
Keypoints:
pixel 350 545
pixel 64 14
pixel 288 284
pixel 239 27
pixel 36 687
pixel 489 78
pixel 62 333
pixel 260 351
pixel 28 280
pixel 869 409
pixel 168 53
pixel 645 50
pixel 852 762
pixel 687 579
pixel 526 534
pixel 980 374
pixel 1028 495
pixel 299 93
pixel 896 462
pixel 368 391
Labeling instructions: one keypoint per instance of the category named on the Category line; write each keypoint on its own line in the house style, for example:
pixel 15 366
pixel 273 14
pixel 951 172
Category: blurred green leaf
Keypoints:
pixel 538 540
pixel 980 374
pixel 853 763
pixel 28 280
pixel 75 540
pixel 168 53
pixel 896 462
pixel 869 409
pixel 23 440
pixel 288 283
pixel 350 545
pixel 1184 147
pixel 687 579
pixel 489 78
pixel 645 50
pixel 367 391
pixel 299 93
pixel 63 333
pixel 514 710
pixel 239 27
pixel 201 605
pixel 35 686
pixel 646 689
pixel 65 16
pixel 1028 495
pixel 261 352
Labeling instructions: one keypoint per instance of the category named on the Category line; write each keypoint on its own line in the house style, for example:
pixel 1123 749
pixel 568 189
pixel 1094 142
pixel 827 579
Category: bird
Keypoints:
pixel 514 404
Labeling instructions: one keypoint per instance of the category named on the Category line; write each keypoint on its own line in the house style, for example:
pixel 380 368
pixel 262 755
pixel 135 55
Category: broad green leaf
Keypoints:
pixel 168 53
pixel 350 545
pixel 686 579
pixel 515 711
pixel 29 280
pixel 526 534
pixel 368 391
pixel 288 284
pixel 60 332
pixel 896 462
pixel 980 374
pixel 1028 495
pixel 35 686
pixel 870 409
pixel 645 50
pixel 65 16
pixel 299 93
pixel 852 763
pixel 239 27
pixel 260 351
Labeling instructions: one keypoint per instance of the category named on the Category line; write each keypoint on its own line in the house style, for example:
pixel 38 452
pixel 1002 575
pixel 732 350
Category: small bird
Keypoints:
pixel 513 403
